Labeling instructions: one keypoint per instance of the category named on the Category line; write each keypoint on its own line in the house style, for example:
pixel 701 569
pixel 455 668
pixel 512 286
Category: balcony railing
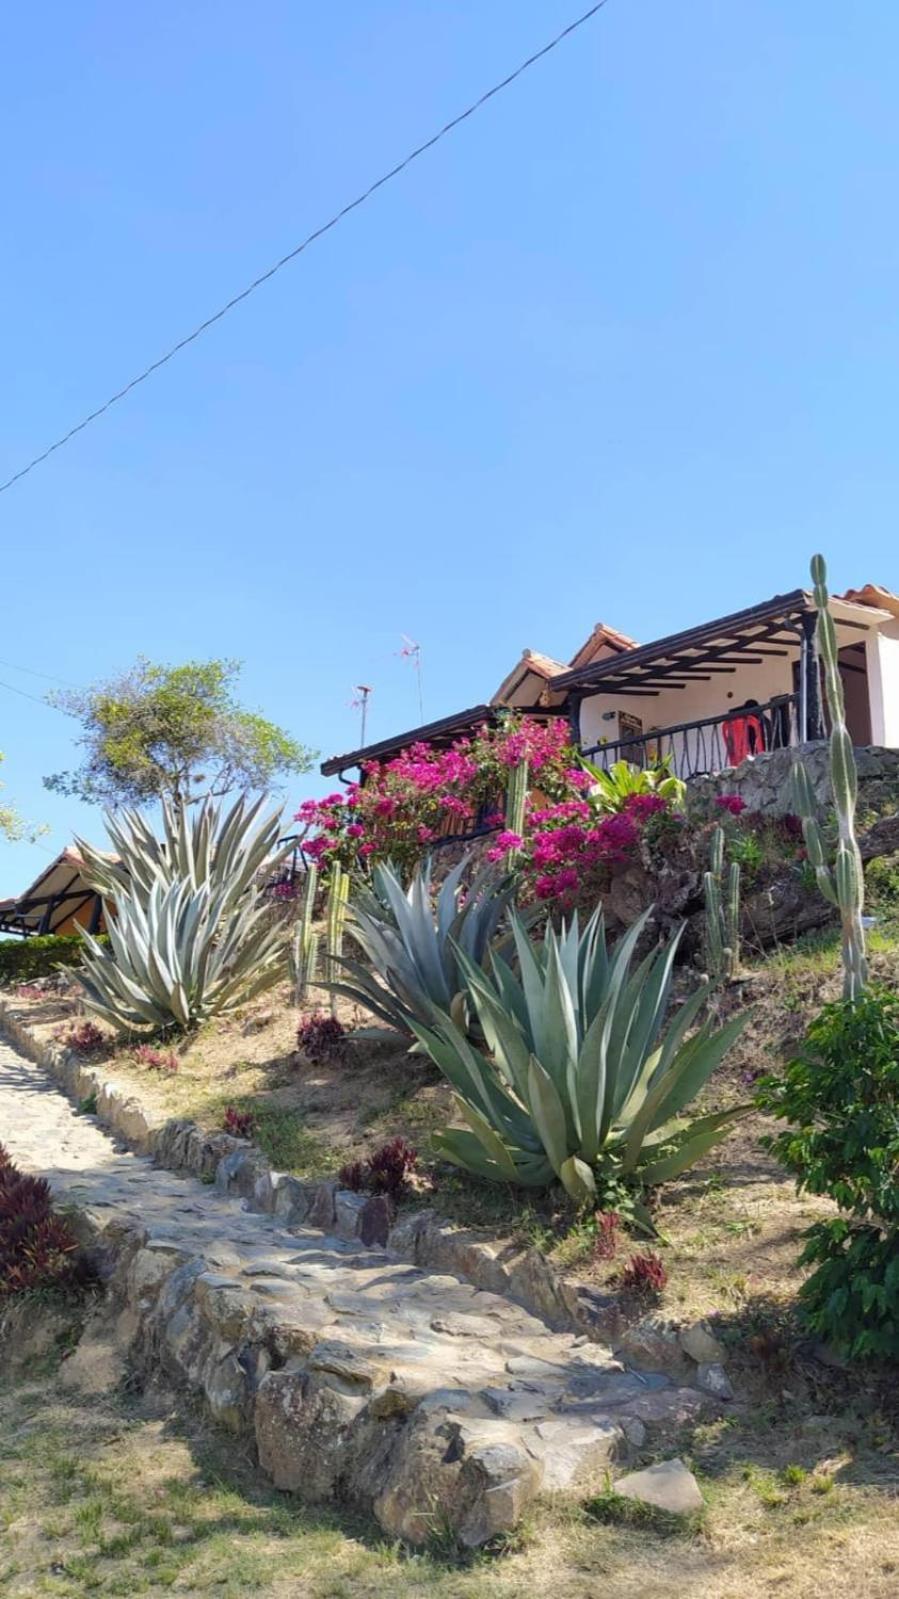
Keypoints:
pixel 711 744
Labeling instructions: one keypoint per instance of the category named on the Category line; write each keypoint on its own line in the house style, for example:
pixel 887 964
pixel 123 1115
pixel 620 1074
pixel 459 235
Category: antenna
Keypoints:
pixel 360 703
pixel 411 651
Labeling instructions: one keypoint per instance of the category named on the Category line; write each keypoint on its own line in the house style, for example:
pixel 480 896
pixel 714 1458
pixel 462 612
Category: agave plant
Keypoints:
pixel 414 947
pixel 583 1079
pixel 189 936
pixel 614 786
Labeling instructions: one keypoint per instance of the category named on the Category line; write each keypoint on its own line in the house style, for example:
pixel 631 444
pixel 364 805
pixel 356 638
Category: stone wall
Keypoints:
pixel 763 781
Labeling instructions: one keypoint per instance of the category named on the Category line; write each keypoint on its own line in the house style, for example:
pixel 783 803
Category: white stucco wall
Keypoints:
pixel 724 692
pixel 882 658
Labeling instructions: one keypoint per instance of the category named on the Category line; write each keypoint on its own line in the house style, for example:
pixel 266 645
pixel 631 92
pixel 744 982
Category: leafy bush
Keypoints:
pixel 616 785
pixel 644 1276
pixel 321 1038
pixel 191 936
pixel 239 1123
pixel 882 880
pixel 414 948
pixel 583 1081
pixel 37 1247
pixel 387 1171
pixel 840 1098
pixel 23 959
pixel 85 1038
pixel 156 1060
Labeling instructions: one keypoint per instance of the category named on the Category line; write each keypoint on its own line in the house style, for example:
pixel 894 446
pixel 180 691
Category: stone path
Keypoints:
pixel 359 1376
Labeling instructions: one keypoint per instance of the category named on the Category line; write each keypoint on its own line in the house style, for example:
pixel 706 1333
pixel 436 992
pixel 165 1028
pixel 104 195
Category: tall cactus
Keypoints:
pixel 305 942
pixel 843 883
pixel 338 895
pixel 722 911
pixel 516 799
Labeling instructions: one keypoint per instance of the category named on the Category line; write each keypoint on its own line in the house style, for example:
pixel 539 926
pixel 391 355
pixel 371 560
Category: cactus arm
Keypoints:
pixel 844 884
pixel 516 799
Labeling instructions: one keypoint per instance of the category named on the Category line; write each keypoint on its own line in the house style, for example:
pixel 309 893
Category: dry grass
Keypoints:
pixel 128 1496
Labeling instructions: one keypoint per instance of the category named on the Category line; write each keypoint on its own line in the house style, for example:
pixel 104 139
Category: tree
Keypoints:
pixel 13 827
pixel 172 731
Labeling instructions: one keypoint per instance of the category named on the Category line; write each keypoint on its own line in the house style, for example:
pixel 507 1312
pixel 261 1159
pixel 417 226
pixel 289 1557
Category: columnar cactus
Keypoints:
pixel 722 911
pixel 516 798
pixel 338 895
pixel 305 944
pixel 844 882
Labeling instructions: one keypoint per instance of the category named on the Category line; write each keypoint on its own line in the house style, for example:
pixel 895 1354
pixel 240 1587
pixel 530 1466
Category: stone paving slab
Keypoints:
pixel 359 1376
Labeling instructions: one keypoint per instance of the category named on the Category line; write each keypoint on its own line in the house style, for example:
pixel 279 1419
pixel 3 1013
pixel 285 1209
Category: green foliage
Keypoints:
pixel 722 911
pixel 190 937
pixel 843 883
pixel 839 1098
pixel 12 826
pixel 338 896
pixel 23 959
pixel 882 880
pixel 615 786
pixel 173 732
pixel 516 803
pixel 305 939
pixel 584 1081
pixel 413 946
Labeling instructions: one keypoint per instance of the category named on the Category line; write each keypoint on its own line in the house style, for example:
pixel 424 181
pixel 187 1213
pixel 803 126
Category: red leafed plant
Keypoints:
pixel 85 1038
pixel 321 1038
pixel 387 1171
pixel 37 1248
pixel 608 1223
pixel 644 1274
pixel 239 1123
pixel 156 1060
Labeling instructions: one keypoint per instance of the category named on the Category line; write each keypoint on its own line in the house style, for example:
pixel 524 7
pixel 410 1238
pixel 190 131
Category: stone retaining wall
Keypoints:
pixel 763 781
pixel 237 1167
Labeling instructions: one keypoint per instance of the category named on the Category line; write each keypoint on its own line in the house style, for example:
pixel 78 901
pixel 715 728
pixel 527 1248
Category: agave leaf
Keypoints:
pixel 578 1179
pixel 697 1139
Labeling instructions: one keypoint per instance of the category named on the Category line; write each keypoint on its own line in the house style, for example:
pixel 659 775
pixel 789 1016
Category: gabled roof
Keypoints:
pixel 603 639
pixel 447 727
pixel 55 895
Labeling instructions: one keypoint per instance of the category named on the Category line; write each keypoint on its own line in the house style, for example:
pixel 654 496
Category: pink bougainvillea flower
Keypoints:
pixel 734 803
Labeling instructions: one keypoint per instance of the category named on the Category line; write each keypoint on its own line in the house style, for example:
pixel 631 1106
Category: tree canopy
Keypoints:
pixel 13 827
pixel 172 731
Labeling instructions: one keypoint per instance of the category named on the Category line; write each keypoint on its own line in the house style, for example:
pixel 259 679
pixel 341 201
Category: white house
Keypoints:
pixel 707 696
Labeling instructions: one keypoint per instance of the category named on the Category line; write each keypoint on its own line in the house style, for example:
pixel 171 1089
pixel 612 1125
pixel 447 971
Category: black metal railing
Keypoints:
pixel 711 744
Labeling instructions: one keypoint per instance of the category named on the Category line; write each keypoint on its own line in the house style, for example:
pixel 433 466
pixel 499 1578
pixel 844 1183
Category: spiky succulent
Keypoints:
pixel 189 934
pixel 413 946
pixel 583 1078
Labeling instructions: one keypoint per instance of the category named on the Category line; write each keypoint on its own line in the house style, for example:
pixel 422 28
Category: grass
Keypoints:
pixel 131 1495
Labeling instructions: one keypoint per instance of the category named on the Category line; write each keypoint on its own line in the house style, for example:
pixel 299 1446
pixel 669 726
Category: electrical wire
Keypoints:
pixel 304 245
pixel 50 677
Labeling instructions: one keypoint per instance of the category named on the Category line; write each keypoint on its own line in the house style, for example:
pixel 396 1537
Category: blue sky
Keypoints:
pixel 624 347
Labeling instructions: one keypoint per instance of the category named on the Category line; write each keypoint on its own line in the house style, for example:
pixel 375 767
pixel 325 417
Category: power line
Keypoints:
pixel 48 676
pixel 310 239
pixel 26 696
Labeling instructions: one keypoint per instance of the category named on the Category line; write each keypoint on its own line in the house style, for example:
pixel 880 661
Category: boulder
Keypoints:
pixel 668 1486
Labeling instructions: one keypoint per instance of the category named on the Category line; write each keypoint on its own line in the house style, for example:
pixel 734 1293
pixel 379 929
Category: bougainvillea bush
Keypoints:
pixel 37 1247
pixel 406 804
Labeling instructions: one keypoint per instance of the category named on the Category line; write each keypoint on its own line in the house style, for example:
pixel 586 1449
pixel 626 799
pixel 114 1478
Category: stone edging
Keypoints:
pixel 238 1167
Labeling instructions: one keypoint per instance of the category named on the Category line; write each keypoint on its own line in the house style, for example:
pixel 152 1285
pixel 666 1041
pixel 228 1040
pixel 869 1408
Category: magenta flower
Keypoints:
pixel 733 803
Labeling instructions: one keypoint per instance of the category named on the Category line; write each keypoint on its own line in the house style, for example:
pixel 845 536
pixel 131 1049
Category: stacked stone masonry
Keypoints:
pixel 357 1375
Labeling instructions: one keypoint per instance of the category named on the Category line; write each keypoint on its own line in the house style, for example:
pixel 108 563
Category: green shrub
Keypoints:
pixel 23 959
pixel 840 1099
pixel 882 879
pixel 584 1077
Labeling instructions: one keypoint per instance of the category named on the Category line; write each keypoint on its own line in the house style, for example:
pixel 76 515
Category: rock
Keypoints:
pixel 376 1219
pixel 291 1197
pixel 667 1485
pixel 653 1343
pixel 572 1451
pixel 301 1427
pixel 634 1431
pixel 701 1345
pixel 321 1206
pixel 713 1379
pixel 454 1469
pixel 239 1171
pixel 348 1212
